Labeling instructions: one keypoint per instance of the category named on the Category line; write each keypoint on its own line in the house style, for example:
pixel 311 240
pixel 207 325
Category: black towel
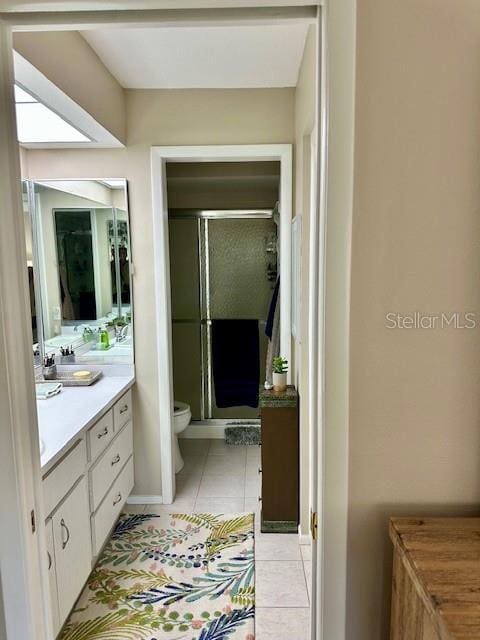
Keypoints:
pixel 236 362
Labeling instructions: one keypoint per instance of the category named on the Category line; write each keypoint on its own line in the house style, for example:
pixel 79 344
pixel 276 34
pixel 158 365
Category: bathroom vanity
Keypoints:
pixel 78 246
pixel 86 436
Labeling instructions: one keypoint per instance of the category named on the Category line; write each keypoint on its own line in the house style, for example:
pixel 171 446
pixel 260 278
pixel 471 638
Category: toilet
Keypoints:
pixel 181 419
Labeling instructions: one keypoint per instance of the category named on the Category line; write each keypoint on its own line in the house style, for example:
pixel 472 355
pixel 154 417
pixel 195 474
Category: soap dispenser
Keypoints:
pixel 104 338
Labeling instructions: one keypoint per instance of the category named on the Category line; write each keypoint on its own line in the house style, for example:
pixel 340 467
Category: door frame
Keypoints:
pixel 26 576
pixel 23 561
pixel 160 156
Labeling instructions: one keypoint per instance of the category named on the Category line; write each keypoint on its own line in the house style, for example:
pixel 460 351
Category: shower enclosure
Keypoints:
pixel 223 266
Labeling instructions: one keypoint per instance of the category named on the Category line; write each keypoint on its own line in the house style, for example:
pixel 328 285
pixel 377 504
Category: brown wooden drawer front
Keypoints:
pixel 280 454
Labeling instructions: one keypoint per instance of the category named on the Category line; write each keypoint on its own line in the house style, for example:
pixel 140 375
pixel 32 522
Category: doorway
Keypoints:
pixel 161 157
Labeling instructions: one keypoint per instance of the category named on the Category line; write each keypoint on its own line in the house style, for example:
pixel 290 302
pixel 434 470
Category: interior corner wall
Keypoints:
pixel 164 117
pixel 68 61
pixel 305 101
pixel 414 393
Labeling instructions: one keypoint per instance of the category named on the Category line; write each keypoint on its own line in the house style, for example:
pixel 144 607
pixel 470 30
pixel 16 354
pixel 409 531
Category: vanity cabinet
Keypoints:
pixel 52 575
pixel 100 435
pixel 106 468
pixel 84 494
pixel 122 411
pixel 71 537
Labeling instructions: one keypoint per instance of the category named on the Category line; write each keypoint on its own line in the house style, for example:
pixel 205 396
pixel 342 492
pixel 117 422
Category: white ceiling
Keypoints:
pixel 202 57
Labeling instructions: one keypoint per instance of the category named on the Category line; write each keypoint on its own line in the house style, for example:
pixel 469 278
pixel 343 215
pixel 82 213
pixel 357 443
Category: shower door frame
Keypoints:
pixel 204 301
pixel 160 156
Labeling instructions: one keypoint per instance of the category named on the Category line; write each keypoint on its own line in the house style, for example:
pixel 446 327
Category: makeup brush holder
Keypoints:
pixel 50 373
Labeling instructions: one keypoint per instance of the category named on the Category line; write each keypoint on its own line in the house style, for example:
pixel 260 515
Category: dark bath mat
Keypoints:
pixel 243 434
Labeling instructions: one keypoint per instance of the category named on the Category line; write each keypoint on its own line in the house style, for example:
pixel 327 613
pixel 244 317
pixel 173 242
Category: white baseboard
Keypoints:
pixel 303 538
pixel 204 430
pixel 144 500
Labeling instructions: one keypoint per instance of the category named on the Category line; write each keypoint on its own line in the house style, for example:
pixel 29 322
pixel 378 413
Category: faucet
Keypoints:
pixel 121 333
pixel 80 326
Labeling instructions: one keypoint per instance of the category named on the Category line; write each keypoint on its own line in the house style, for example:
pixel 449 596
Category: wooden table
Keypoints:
pixel 436 579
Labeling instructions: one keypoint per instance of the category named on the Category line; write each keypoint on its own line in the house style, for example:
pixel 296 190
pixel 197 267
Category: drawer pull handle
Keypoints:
pixel 67 530
pixel 49 560
pixel 104 433
pixel 117 499
pixel 116 459
pixel 259 469
pixel 124 408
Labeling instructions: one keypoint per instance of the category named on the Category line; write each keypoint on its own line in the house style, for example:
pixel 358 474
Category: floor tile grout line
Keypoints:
pixel 306 582
pixel 201 477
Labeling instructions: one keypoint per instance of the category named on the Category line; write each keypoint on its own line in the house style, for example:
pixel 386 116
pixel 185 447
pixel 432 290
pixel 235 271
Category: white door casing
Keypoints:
pixel 22 534
pixel 208 153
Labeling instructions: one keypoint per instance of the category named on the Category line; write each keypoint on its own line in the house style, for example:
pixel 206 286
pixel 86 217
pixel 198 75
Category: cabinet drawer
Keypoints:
pixel 108 466
pixel 122 411
pixel 73 551
pixel 108 512
pixel 100 435
pixel 58 482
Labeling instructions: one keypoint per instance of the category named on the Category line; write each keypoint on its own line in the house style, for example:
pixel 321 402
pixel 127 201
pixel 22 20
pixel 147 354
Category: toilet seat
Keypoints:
pixel 180 408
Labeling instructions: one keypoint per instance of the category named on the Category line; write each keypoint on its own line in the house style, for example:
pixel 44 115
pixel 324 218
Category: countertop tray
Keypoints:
pixel 67 379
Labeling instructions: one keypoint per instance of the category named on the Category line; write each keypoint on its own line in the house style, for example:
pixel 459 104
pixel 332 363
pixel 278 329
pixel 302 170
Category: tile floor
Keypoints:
pixel 222 478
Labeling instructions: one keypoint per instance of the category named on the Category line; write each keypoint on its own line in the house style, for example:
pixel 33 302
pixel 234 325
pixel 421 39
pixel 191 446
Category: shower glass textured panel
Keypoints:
pixel 239 287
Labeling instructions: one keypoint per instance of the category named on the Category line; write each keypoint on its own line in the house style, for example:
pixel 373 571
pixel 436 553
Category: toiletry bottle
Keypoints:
pixel 104 338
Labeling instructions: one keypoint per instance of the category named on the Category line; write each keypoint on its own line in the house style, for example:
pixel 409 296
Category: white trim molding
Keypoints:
pixel 23 560
pixel 210 153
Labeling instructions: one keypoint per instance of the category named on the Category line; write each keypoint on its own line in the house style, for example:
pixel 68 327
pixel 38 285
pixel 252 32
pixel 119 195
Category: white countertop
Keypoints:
pixel 63 418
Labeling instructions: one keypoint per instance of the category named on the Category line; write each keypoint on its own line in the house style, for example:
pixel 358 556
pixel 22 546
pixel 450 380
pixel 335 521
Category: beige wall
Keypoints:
pixel 304 123
pixel 85 79
pixel 165 118
pixel 415 402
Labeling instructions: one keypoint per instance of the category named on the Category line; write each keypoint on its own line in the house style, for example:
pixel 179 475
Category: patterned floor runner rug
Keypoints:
pixel 171 577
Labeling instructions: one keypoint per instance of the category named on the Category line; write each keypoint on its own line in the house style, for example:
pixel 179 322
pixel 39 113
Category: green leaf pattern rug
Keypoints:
pixel 171 577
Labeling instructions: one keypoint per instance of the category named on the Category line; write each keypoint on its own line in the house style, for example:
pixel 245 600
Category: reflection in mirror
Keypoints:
pixel 30 269
pixel 84 267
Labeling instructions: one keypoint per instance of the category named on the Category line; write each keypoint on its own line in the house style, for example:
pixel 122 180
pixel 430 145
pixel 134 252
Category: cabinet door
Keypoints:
pixel 280 476
pixel 52 575
pixel 72 541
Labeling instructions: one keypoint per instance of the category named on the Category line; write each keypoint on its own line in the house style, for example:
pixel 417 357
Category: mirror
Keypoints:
pixel 83 269
pixel 30 253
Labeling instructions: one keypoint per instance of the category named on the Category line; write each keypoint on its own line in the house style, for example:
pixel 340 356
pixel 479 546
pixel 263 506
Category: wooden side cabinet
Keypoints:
pixel 436 577
pixel 280 461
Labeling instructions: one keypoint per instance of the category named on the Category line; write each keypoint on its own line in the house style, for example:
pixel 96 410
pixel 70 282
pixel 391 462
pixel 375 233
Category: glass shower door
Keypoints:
pixel 239 288
pixel 222 268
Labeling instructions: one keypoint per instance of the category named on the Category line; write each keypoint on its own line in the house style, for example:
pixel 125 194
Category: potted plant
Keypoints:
pixel 280 368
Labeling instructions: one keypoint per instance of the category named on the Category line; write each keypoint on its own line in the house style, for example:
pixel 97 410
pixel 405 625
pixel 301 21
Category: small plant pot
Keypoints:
pixel 279 382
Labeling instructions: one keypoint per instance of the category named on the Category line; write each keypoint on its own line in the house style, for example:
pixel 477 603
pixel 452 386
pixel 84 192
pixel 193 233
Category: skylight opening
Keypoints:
pixel 36 123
